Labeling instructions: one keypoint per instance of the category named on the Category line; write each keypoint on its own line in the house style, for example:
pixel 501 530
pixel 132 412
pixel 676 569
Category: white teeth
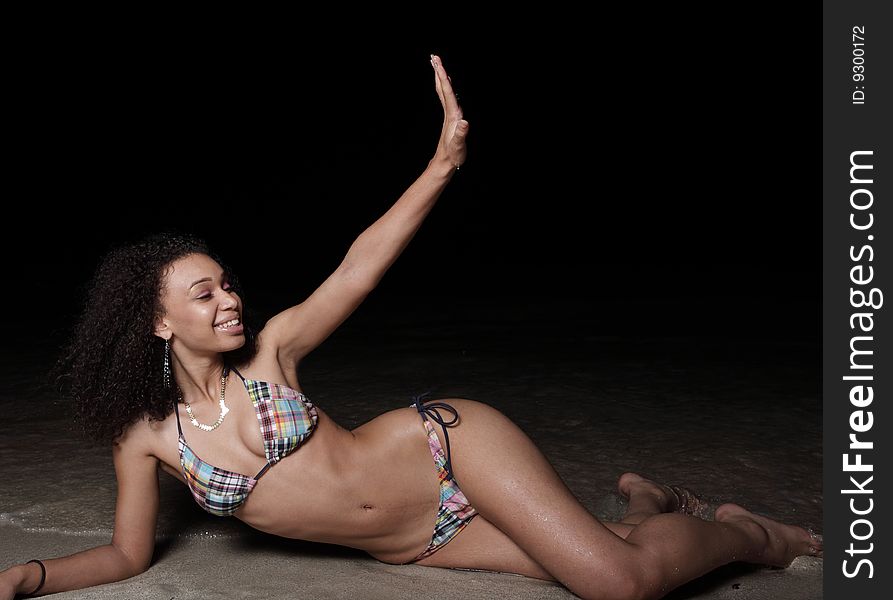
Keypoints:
pixel 228 324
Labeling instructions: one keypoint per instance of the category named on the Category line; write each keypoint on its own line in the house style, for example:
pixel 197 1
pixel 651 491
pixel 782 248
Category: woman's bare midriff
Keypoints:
pixel 374 488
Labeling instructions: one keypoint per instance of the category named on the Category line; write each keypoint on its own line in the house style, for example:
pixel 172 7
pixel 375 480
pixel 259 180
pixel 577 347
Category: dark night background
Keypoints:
pixel 663 169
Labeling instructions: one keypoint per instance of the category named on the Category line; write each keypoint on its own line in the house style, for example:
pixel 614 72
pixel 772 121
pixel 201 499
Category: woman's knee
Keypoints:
pixel 640 575
pixel 625 583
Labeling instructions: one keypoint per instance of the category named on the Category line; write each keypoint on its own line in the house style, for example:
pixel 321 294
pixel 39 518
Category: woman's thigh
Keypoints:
pixel 517 491
pixel 482 545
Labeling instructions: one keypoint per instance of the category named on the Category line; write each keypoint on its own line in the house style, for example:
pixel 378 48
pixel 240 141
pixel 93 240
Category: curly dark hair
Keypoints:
pixel 112 366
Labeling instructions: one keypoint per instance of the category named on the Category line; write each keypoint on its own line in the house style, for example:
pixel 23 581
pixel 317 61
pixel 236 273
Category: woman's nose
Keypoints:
pixel 229 299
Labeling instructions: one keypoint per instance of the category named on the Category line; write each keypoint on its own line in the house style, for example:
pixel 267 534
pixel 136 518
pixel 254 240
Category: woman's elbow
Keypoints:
pixel 135 563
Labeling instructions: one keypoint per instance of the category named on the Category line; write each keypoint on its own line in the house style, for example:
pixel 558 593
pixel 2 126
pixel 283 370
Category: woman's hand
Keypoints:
pixel 10 580
pixel 451 147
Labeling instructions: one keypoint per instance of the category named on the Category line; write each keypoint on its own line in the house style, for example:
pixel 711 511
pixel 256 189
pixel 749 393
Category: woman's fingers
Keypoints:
pixel 437 84
pixel 445 89
pixel 451 147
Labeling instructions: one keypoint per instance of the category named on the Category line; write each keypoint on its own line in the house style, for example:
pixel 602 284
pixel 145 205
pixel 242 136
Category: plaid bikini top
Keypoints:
pixel 287 418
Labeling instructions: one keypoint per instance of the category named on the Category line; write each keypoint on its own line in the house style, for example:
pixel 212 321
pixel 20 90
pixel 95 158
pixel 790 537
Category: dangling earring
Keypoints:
pixel 167 363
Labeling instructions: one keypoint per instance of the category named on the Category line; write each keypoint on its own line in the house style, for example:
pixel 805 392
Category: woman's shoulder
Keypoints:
pixel 268 365
pixel 145 434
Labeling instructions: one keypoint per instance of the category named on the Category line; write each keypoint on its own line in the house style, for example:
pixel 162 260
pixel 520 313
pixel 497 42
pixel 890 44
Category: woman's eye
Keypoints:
pixel 203 297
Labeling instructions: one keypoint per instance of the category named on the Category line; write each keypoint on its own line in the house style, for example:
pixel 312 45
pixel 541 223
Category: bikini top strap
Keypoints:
pixel 177 412
pixel 237 373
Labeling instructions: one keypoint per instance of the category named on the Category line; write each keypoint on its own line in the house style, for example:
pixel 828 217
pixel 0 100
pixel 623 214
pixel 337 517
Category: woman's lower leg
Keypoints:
pixel 674 548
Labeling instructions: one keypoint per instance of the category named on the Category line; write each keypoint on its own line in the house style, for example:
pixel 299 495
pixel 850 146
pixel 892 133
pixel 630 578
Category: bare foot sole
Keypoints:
pixel 672 498
pixel 786 542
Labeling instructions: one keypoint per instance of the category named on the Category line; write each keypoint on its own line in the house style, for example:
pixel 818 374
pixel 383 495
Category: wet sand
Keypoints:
pixel 719 406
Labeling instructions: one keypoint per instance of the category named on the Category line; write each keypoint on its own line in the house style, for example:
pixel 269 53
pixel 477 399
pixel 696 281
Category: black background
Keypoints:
pixel 663 159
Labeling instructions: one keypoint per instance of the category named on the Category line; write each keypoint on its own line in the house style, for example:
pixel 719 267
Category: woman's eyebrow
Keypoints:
pixel 195 283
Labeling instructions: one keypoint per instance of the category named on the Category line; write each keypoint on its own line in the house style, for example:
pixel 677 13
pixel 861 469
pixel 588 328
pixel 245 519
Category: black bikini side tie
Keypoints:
pixel 432 410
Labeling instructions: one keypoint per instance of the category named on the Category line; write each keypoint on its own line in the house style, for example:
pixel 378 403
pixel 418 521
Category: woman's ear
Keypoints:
pixel 162 329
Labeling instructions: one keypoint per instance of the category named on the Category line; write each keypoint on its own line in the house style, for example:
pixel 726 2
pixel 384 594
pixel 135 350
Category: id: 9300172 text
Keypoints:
pixel 859 64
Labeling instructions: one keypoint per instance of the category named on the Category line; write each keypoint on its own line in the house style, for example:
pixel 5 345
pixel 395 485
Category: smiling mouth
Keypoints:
pixel 227 324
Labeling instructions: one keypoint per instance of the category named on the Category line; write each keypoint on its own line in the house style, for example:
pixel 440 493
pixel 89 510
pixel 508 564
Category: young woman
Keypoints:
pixel 163 367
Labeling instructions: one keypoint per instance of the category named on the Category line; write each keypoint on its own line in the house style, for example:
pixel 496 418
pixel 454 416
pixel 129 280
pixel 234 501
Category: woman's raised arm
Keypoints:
pixel 298 330
pixel 132 545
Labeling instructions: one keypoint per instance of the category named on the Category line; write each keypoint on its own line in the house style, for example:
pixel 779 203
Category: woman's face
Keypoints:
pixel 201 311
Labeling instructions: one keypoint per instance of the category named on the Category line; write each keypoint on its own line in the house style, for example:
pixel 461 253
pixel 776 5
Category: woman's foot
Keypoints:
pixel 784 542
pixel 647 496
